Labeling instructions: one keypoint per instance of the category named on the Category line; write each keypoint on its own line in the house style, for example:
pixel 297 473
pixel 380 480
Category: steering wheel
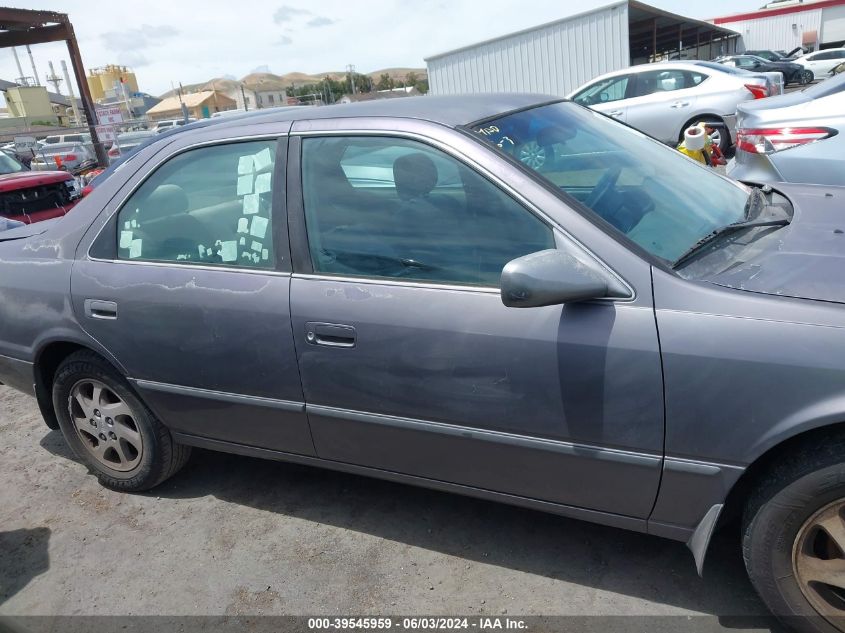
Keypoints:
pixel 604 185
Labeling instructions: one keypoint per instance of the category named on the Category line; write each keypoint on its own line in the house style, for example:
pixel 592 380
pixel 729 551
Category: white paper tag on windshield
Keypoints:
pixel 243 225
pixel 245 165
pixel 256 246
pixel 135 249
pixel 242 241
pixel 262 182
pixel 259 226
pixel 263 160
pixel 125 239
pixel 251 204
pixel 229 251
pixel 244 184
pixel 265 254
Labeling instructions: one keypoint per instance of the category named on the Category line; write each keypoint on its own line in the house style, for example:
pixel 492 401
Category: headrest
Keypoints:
pixel 165 201
pixel 415 175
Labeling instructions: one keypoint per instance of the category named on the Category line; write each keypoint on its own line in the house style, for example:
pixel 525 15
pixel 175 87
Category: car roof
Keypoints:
pixel 452 111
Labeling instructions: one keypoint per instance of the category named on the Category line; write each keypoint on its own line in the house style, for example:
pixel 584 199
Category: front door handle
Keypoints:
pixel 96 309
pixel 330 334
pixel 680 104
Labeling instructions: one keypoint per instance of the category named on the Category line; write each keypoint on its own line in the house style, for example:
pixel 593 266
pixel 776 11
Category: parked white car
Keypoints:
pixel 822 63
pixel 664 99
pixel 170 124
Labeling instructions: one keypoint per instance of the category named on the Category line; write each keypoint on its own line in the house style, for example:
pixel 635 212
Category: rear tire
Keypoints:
pixel 794 538
pixel 806 77
pixel 108 427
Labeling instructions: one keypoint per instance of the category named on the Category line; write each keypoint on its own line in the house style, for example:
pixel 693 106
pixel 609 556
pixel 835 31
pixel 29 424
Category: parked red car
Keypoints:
pixel 31 196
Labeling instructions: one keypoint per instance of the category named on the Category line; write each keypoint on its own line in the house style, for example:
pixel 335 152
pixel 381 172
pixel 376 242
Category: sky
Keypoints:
pixel 190 41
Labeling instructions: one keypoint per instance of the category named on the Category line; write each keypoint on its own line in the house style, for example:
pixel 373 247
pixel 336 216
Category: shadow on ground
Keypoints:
pixel 23 556
pixel 604 558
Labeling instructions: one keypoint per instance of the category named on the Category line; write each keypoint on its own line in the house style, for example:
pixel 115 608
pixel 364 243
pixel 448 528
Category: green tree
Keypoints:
pixel 385 82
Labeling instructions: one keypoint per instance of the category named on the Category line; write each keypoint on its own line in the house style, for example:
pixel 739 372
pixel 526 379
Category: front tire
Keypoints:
pixel 806 77
pixel 794 538
pixel 108 427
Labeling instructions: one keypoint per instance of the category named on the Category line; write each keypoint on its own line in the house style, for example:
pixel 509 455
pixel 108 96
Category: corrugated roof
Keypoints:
pixel 191 100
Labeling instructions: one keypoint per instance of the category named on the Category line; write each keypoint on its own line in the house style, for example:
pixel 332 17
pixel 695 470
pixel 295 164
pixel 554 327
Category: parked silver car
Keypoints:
pixel 798 137
pixel 664 99
pixel 66 156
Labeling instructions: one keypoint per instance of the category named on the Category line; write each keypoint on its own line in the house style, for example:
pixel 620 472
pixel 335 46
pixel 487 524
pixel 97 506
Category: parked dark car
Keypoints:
pixel 792 72
pixel 614 333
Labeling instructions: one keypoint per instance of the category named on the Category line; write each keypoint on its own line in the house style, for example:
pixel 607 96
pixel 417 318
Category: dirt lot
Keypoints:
pixel 233 535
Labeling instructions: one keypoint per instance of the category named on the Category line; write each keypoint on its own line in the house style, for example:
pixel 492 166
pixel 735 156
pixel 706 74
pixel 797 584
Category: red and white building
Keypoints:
pixel 814 24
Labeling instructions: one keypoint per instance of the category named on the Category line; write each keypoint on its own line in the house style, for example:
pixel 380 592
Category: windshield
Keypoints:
pixel 655 196
pixel 9 165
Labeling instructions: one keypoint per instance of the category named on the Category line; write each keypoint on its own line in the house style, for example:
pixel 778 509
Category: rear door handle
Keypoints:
pixel 330 334
pixel 616 112
pixel 96 309
pixel 680 104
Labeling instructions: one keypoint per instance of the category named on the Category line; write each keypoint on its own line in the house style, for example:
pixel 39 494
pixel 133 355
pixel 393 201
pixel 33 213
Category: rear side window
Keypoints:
pixel 210 206
pixel 655 81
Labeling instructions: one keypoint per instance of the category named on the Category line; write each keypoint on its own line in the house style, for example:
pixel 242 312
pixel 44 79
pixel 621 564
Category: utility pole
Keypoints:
pixel 20 79
pixel 54 79
pixel 351 70
pixel 243 96
pixel 70 92
pixel 32 61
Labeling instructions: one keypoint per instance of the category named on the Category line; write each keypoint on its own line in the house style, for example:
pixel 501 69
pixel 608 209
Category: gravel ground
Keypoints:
pixel 232 536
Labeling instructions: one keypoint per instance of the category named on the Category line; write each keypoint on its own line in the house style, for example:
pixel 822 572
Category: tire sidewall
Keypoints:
pixel 770 536
pixel 68 375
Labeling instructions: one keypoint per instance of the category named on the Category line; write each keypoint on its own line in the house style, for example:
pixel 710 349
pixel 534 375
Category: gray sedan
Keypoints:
pixel 66 156
pixel 798 137
pixel 614 333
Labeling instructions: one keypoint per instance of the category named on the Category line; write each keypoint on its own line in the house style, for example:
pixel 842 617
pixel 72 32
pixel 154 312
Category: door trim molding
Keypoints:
pixel 500 437
pixel 220 396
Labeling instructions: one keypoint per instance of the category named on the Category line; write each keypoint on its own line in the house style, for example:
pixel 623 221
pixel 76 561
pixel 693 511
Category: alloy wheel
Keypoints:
pixel 819 561
pixel 106 425
pixel 532 154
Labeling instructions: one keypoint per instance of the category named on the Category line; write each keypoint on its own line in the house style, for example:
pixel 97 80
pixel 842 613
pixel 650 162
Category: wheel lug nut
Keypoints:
pixel 102 437
pixel 109 421
pixel 93 422
pixel 112 436
pixel 96 413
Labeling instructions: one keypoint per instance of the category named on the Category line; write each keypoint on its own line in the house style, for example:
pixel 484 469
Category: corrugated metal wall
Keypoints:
pixel 552 59
pixel 776 32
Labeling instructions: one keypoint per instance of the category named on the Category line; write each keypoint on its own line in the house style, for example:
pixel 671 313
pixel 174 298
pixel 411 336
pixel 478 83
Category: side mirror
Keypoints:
pixel 550 277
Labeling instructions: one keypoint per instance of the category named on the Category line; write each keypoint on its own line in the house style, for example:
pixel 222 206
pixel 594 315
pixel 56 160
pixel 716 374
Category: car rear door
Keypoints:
pixel 663 101
pixel 409 360
pixel 185 279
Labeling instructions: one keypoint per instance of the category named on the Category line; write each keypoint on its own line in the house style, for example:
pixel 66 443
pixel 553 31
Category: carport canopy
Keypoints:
pixel 654 34
pixel 21 27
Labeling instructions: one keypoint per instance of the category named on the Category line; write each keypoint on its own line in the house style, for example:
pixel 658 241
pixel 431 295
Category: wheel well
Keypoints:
pixel 46 364
pixel 755 474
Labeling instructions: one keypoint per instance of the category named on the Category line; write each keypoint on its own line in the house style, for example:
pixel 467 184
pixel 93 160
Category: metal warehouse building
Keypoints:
pixel 788 25
pixel 557 57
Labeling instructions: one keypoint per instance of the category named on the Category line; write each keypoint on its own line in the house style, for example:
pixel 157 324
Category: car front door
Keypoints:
pixel 185 280
pixel 409 360
pixel 663 101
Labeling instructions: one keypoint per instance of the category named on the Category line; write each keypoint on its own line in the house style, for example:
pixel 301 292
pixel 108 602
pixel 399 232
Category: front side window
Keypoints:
pixel 658 198
pixel 395 208
pixel 209 206
pixel 604 91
